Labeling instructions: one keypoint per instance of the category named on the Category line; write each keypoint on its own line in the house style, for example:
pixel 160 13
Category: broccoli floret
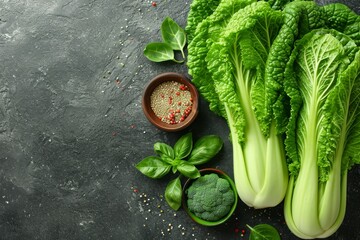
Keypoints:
pixel 210 197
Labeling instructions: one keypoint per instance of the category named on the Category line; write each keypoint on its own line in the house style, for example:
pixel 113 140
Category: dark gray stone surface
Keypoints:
pixel 71 127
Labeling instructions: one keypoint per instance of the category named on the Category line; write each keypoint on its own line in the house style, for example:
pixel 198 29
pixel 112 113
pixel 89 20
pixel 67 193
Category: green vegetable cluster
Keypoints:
pixel 286 77
pixel 210 197
pixel 183 158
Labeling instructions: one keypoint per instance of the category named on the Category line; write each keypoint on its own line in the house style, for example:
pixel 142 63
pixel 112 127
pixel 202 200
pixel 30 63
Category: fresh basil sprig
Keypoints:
pixel 174 38
pixel 174 158
pixel 160 52
pixel 173 35
pixel 263 232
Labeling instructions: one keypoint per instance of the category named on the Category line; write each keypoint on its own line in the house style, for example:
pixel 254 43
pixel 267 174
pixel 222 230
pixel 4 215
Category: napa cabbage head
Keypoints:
pixel 236 62
pixel 323 83
pixel 242 60
pixel 316 198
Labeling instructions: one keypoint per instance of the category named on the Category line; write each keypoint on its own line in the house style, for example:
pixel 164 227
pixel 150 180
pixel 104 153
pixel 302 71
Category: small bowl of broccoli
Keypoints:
pixel 211 199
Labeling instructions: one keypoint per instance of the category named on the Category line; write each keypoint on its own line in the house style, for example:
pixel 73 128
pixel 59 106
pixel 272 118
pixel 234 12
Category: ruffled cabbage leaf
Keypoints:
pixel 199 10
pixel 236 62
pixel 301 17
pixel 208 32
pixel 323 82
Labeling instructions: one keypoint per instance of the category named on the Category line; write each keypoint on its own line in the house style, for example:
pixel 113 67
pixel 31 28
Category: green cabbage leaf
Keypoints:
pixel 323 82
pixel 227 59
pixel 208 32
pixel 199 10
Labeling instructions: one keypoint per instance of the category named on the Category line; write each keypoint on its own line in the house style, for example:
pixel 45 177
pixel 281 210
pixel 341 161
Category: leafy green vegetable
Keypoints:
pixel 173 35
pixel 160 52
pixel 301 17
pixel 174 159
pixel 292 70
pixel 263 232
pixel 208 32
pixel 280 4
pixel 173 193
pixel 235 61
pixel 199 10
pixel 322 204
pixel 341 18
pixel 323 84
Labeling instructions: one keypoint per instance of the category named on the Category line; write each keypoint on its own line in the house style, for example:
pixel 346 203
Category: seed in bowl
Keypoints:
pixel 171 102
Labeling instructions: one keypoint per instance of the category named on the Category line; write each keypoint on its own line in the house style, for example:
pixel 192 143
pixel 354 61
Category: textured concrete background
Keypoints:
pixel 71 127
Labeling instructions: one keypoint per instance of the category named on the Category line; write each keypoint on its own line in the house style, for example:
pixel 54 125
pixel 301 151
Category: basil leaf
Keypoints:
pixel 173 193
pixel 205 149
pixel 183 146
pixel 173 35
pixel 160 52
pixel 167 159
pixel 263 232
pixel 153 167
pixel 174 164
pixel 188 170
pixel 164 150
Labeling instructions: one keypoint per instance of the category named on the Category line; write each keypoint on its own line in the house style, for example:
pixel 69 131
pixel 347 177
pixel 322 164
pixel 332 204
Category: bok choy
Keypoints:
pixel 323 81
pixel 276 69
pixel 227 60
pixel 321 78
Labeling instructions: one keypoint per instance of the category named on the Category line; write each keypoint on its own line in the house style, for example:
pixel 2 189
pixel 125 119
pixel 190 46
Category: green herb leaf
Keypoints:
pixel 183 146
pixel 173 35
pixel 263 232
pixel 173 193
pixel 164 150
pixel 175 163
pixel 205 149
pixel 160 52
pixel 153 167
pixel 167 159
pixel 188 170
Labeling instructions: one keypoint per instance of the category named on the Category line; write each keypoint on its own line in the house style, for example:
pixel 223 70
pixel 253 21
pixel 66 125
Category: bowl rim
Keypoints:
pixel 150 115
pixel 203 222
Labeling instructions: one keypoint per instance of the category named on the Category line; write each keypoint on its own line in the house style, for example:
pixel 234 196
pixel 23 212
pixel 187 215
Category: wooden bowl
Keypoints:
pixel 149 112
